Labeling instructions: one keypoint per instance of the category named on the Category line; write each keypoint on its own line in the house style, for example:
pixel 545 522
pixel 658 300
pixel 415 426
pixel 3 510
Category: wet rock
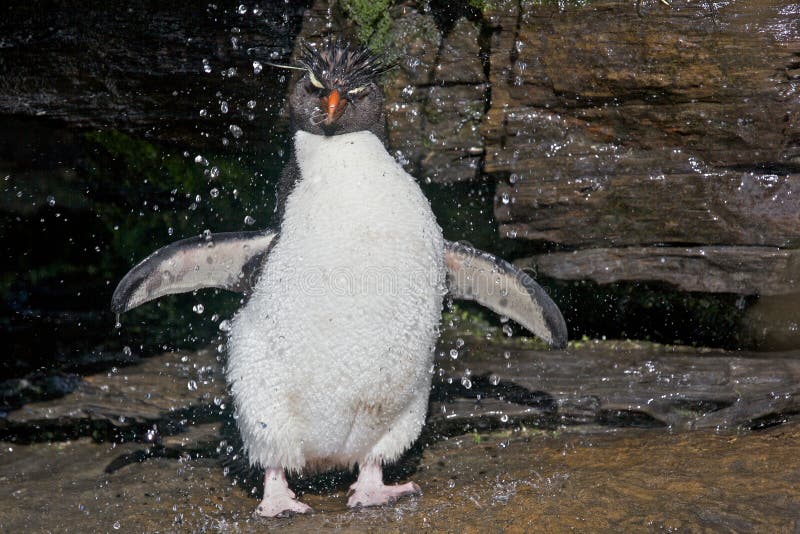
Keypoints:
pixel 522 480
pixel 460 55
pixel 91 66
pixel 624 207
pixel 162 388
pixel 611 128
pixel 607 383
pixel 490 385
pixel 712 269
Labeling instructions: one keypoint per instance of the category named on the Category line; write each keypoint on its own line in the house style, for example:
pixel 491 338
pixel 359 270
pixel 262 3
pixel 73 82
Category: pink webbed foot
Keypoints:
pixel 279 500
pixel 369 489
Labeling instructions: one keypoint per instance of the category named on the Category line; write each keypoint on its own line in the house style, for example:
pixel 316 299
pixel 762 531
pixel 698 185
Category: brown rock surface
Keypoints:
pixel 504 473
pixel 632 480
pixel 678 125
pixel 713 269
pixel 491 384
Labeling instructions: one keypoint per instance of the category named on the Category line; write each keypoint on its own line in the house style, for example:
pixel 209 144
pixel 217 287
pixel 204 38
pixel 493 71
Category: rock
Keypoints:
pixel 611 131
pixel 711 269
pixel 147 69
pixel 580 208
pixel 633 383
pixel 523 480
pixel 160 388
pixel 505 470
pixel 607 383
pixel 460 55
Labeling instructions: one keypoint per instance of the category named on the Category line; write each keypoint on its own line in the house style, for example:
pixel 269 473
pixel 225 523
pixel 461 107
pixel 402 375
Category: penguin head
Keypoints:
pixel 338 93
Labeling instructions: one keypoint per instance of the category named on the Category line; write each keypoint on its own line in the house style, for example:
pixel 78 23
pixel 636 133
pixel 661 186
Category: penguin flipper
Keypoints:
pixel 225 260
pixel 496 284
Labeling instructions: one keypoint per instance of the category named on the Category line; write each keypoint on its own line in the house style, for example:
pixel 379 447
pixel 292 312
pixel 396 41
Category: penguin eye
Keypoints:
pixel 314 81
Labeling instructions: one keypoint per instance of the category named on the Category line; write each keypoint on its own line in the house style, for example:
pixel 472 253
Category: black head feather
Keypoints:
pixel 338 65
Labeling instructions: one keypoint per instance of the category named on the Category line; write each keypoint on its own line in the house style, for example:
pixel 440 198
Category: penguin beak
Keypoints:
pixel 333 105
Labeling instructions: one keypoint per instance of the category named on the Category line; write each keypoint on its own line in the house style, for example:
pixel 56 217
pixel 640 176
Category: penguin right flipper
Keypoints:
pixel 225 260
pixel 493 282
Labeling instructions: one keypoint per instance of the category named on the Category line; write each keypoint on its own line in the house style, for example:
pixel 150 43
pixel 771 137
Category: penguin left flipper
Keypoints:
pixel 225 260
pixel 496 284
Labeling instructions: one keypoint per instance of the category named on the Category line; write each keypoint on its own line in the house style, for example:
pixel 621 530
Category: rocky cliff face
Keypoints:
pixel 641 142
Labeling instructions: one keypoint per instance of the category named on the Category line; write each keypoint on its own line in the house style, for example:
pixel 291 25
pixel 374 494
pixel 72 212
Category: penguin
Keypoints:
pixel 331 356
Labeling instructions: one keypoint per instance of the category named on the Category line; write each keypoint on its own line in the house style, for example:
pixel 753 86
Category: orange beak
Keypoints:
pixel 333 104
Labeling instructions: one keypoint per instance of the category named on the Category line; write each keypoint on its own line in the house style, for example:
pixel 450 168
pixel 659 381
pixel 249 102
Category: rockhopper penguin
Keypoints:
pixel 331 357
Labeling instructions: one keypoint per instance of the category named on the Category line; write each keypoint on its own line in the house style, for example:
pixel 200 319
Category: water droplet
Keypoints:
pixel 504 198
pixel 235 131
pixel 454 354
pixel 451 483
pixel 214 193
pixel 51 200
pixel 504 418
pixel 203 112
pixel 225 325
pixel 251 104
pixel 206 67
pixel 494 380
pixel 126 350
pixel 191 385
pixel 198 308
pixel 223 107
pixel 214 172
pixel 242 9
pixel 248 220
pixel 257 67
pixel 466 382
pixel 116 525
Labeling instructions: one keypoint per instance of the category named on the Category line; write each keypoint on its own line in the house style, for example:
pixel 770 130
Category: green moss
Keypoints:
pixel 483 5
pixel 372 21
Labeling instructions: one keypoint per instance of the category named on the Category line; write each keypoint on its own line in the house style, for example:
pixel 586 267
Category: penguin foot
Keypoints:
pixel 369 489
pixel 279 500
pixel 282 507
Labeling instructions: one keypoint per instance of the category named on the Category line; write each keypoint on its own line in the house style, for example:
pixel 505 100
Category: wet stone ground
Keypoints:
pixel 151 447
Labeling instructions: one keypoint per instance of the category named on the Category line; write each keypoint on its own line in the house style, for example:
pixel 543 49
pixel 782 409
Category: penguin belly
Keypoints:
pixel 330 361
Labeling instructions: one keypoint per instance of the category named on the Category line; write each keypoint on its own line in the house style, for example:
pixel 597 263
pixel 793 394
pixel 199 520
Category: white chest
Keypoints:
pixel 353 190
pixel 357 230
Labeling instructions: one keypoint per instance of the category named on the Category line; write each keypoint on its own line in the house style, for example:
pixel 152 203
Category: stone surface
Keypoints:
pixel 712 269
pixel 146 392
pixel 484 460
pixel 147 68
pixel 490 384
pixel 675 125
pixel 516 481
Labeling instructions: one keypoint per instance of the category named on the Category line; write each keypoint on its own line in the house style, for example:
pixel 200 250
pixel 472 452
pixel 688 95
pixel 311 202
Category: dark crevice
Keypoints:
pixel 447 12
